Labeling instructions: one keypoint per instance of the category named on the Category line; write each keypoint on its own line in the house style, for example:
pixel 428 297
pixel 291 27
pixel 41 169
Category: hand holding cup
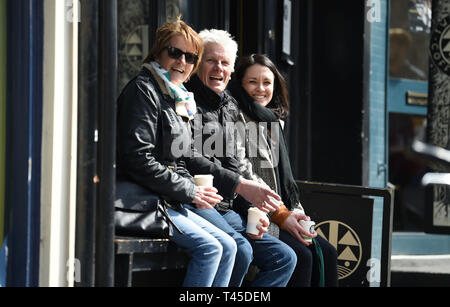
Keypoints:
pixel 309 227
pixel 204 180
pixel 206 196
pixel 299 226
pixel 257 223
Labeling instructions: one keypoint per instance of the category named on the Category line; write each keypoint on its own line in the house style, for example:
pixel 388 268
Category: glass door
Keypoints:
pixel 409 36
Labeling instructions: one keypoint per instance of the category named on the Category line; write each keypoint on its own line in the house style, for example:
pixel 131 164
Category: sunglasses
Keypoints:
pixel 176 53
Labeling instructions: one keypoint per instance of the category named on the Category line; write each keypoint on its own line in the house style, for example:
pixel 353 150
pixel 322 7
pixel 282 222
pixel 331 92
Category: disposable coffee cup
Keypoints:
pixel 254 215
pixel 204 180
pixel 298 211
pixel 308 226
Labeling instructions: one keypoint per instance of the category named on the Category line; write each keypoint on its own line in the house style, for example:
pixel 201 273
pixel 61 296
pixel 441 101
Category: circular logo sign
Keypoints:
pixel 440 45
pixel 346 242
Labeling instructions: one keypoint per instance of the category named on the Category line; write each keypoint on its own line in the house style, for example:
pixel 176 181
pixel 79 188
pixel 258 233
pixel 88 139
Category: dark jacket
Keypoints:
pixel 147 130
pixel 211 138
pixel 147 125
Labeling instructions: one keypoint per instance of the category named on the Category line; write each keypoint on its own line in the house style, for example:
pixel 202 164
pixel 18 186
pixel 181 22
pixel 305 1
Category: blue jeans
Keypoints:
pixel 274 258
pixel 212 252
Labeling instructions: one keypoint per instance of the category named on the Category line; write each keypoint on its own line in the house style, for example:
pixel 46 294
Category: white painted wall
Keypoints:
pixel 59 147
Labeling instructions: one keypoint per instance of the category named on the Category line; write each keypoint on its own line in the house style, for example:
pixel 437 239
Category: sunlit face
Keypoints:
pixel 178 69
pixel 216 68
pixel 258 81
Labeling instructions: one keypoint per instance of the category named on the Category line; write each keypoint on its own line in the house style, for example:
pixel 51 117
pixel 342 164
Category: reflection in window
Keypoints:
pixel 419 16
pixel 409 38
pixel 406 171
pixel 400 65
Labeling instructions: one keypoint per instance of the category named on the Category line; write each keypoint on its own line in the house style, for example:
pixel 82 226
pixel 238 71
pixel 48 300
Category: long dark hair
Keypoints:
pixel 280 100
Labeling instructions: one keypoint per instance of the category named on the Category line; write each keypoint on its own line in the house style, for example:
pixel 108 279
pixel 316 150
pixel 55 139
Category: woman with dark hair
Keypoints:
pixel 279 104
pixel 262 94
pixel 151 108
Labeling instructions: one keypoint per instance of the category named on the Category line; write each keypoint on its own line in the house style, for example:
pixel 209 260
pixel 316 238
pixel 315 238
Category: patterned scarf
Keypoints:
pixel 184 101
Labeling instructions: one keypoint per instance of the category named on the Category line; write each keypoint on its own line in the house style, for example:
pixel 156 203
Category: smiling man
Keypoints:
pixel 216 108
pixel 216 68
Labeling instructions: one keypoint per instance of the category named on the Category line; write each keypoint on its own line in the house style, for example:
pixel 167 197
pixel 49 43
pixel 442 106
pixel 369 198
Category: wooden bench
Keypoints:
pixel 144 254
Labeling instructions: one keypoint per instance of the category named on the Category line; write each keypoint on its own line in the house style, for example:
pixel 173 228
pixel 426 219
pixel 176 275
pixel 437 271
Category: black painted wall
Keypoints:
pixel 337 91
pixel 325 82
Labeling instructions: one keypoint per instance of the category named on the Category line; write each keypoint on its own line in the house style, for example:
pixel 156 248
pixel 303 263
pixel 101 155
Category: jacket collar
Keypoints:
pixel 204 96
pixel 146 73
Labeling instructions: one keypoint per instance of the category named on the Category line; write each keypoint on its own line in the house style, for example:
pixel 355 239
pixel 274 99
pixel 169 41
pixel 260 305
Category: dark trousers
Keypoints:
pixel 307 273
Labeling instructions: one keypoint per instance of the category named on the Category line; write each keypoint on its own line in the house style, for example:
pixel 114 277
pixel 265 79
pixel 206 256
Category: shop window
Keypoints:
pixel 409 33
pixel 406 170
pixel 409 36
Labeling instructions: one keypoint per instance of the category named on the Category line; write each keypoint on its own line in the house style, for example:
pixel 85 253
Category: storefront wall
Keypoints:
pixel 376 173
pixel 59 144
pixel 44 234
pixel 41 147
pixel 23 140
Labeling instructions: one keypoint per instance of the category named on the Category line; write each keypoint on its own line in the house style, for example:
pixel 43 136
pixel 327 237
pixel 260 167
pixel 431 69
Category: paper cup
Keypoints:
pixel 254 215
pixel 298 211
pixel 204 180
pixel 308 226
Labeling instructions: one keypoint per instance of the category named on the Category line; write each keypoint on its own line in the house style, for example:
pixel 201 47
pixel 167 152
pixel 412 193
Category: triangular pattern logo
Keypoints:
pixel 136 46
pixel 346 242
pixel 440 45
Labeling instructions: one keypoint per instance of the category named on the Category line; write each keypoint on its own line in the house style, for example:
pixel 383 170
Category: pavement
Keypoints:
pixel 439 264
pixel 420 270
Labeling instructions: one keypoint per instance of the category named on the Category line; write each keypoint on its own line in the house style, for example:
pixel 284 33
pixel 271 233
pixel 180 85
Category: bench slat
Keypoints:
pixel 145 254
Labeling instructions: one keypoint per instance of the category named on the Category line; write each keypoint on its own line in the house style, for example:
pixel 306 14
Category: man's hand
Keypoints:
pixel 206 197
pixel 259 195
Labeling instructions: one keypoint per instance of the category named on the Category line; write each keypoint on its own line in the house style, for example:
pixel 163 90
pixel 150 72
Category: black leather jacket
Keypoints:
pixel 149 132
pixel 147 126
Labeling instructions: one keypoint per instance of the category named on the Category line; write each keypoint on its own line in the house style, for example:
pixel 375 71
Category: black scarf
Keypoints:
pixel 286 184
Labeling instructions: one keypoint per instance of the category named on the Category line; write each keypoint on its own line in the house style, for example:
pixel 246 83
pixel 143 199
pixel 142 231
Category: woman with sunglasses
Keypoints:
pixel 262 95
pixel 154 110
